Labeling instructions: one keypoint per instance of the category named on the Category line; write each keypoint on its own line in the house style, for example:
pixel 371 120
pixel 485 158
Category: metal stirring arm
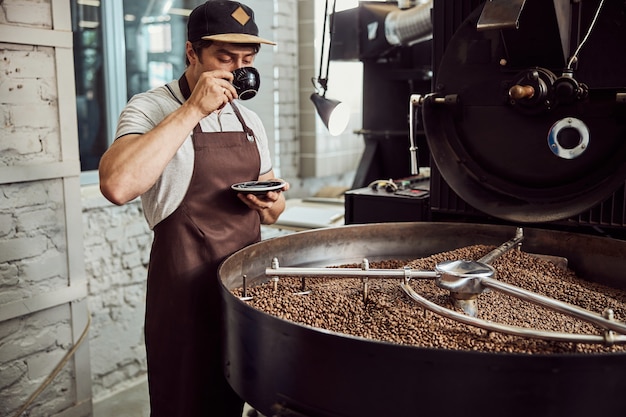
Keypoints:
pixel 466 280
pixel 608 338
pixel 556 305
pixel 349 273
pixel 463 291
pixel 504 248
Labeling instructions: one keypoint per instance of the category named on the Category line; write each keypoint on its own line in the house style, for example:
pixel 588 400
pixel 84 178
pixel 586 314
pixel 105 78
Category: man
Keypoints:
pixel 180 147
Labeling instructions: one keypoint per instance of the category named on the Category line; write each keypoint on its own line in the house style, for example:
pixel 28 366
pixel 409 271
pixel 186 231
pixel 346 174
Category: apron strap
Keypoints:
pixel 249 132
pixel 184 86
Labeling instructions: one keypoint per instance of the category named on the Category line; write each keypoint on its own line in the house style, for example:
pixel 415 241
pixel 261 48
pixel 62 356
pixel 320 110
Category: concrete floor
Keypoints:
pixel 134 402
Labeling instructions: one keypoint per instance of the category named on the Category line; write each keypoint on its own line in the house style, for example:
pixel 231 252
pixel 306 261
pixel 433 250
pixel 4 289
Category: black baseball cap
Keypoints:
pixel 224 21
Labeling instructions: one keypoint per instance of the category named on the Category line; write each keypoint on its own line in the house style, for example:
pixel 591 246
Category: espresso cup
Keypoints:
pixel 246 81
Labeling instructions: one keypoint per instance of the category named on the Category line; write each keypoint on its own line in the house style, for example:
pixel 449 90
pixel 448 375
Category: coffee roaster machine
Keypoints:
pixel 519 119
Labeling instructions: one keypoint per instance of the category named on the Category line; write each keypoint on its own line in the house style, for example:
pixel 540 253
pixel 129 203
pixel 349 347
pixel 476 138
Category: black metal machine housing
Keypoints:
pixel 527 132
pixel 525 121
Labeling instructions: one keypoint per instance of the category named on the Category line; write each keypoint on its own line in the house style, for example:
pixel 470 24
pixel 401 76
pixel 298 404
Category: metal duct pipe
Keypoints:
pixel 406 27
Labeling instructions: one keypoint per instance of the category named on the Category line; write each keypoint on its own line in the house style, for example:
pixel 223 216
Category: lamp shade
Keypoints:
pixel 333 113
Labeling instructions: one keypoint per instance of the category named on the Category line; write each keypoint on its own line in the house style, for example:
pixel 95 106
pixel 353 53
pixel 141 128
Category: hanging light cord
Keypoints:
pixel 323 82
pixel 56 370
pixel 574 57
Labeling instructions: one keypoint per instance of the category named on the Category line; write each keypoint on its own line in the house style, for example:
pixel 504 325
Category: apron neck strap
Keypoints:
pixel 184 86
pixel 249 132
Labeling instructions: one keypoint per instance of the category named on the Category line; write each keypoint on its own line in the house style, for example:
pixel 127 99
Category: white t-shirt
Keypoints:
pixel 146 110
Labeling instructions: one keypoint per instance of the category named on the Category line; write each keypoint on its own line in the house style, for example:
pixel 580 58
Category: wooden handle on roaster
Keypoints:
pixel 518 92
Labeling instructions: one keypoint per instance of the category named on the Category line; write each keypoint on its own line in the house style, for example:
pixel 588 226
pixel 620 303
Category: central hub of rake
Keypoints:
pixel 463 280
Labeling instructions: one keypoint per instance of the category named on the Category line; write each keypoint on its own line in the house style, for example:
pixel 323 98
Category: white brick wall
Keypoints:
pixel 32 252
pixel 42 284
pixel 35 13
pixel 31 348
pixel 117 246
pixel 29 112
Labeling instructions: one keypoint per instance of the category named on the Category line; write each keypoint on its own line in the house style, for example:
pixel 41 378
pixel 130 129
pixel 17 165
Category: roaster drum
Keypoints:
pixel 283 368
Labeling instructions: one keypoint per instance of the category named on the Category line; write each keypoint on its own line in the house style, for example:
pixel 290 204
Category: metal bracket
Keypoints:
pixel 500 14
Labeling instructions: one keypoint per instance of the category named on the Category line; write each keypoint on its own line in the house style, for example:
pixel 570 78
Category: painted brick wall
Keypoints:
pixel 33 260
pixel 41 286
pixel 117 245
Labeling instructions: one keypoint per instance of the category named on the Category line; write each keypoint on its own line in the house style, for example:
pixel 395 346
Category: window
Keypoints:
pixel 121 49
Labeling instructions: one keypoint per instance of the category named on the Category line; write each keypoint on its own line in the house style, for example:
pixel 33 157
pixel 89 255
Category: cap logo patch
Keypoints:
pixel 240 16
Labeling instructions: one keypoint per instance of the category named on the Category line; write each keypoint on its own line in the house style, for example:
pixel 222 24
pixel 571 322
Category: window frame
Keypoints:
pixel 114 62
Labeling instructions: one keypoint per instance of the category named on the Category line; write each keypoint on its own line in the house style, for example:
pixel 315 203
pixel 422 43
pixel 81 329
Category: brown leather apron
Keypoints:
pixel 183 314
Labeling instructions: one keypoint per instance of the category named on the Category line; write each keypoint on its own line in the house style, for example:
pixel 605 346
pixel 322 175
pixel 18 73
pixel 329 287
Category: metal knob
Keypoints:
pixel 519 92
